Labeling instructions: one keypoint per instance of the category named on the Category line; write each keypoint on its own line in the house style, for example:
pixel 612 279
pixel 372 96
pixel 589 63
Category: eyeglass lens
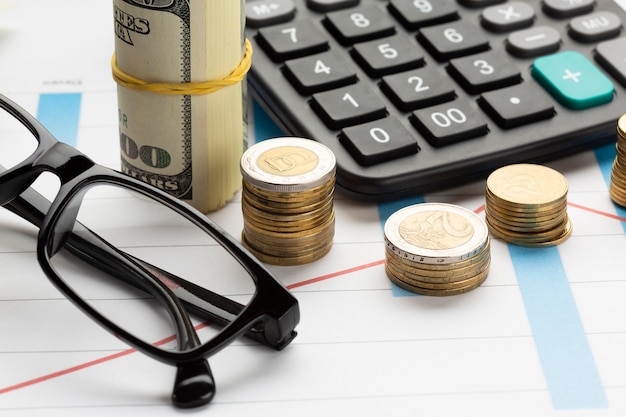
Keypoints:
pixel 17 143
pixel 155 234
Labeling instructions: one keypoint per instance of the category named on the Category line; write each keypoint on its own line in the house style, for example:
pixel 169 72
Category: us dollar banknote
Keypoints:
pixel 187 145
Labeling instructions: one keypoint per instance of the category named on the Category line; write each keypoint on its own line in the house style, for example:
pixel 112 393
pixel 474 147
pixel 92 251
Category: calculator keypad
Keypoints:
pixel 394 78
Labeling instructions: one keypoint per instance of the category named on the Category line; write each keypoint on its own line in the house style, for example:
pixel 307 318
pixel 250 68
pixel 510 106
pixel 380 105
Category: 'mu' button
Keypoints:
pixel 573 80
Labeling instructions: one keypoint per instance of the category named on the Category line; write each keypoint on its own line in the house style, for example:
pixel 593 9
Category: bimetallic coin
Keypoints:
pixel 435 233
pixel 436 249
pixel 479 257
pixel 288 165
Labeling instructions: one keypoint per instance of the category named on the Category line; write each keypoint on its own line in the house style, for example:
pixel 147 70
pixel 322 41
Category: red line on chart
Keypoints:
pixel 85 365
pixel 340 273
pixel 601 213
pixel 335 274
pixel 127 352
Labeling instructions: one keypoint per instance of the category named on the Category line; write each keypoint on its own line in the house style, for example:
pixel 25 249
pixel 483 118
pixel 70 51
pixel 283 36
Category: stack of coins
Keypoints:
pixel 617 189
pixel 287 200
pixel 526 205
pixel 436 249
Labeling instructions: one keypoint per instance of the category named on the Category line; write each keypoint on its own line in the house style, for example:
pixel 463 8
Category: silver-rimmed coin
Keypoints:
pixel 435 233
pixel 288 164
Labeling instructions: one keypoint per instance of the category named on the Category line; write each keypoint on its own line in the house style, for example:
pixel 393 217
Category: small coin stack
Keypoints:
pixel 617 189
pixel 526 204
pixel 436 249
pixel 287 200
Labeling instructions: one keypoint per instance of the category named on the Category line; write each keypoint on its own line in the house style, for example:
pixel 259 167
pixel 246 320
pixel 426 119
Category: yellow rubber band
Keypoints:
pixel 206 87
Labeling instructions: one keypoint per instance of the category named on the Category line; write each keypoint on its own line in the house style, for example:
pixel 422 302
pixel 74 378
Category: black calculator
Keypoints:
pixel 415 96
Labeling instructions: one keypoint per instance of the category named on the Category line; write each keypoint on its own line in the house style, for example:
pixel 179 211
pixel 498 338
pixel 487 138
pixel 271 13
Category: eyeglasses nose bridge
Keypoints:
pixel 65 161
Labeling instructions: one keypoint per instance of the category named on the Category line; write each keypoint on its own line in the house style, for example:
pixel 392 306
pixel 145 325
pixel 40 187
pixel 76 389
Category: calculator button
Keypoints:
pixel 517 105
pixel 483 72
pixel 453 39
pixel 319 72
pixel 567 8
pixel 359 25
pixel 595 27
pixel 507 17
pixel 348 106
pixel 378 141
pixel 388 55
pixel 539 40
pixel 269 12
pixel 292 40
pixel 419 88
pixel 480 3
pixel 449 122
pixel 612 56
pixel 573 80
pixel 329 5
pixel 415 14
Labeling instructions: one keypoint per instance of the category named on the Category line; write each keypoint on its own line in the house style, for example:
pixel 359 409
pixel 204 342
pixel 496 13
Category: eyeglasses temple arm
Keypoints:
pixel 206 304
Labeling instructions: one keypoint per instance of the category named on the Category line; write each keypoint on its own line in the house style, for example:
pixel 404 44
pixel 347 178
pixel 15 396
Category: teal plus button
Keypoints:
pixel 573 80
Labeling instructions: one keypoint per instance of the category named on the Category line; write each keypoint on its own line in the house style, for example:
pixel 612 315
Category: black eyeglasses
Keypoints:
pixel 139 262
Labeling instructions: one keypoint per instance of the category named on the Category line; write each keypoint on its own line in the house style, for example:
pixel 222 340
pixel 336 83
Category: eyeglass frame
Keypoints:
pixel 270 317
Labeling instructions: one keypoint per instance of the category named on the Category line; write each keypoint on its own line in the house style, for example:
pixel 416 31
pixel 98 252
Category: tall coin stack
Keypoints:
pixel 526 205
pixel 287 200
pixel 617 189
pixel 436 249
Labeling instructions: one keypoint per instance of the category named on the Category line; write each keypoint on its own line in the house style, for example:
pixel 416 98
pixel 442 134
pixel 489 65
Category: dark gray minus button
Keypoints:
pixel 595 27
pixel 538 40
pixel 269 12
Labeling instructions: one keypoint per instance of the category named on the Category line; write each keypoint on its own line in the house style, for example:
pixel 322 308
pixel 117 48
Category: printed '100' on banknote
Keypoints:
pixel 187 145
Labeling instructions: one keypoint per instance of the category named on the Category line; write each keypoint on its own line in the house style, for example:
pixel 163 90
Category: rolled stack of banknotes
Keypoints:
pixel 178 132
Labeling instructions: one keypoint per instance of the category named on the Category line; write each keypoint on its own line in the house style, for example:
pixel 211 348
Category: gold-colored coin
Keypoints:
pixel 524 211
pixel 439 277
pixel 288 251
pixel 432 284
pixel 294 197
pixel 526 205
pixel 527 185
pixel 275 218
pixel 286 208
pixel 559 236
pixel 260 211
pixel 437 293
pixel 541 224
pixel 282 260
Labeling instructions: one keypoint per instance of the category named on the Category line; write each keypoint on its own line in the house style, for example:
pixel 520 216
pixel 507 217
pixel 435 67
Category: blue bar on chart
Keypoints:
pixel 59 113
pixel 566 358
